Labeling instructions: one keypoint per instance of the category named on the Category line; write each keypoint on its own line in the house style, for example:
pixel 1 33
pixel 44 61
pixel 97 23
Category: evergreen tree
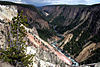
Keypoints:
pixel 15 53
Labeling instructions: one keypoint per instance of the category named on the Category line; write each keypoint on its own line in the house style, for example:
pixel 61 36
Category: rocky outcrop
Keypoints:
pixel 80 24
pixel 34 17
pixel 71 17
pixel 87 52
pixel 42 58
pixel 2 36
pixel 83 21
pixel 4 64
pixel 7 12
pixel 91 65
pixel 66 40
pixel 46 59
pixel 69 12
pixel 6 15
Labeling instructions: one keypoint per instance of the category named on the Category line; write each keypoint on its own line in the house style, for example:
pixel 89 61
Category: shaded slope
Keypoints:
pixel 83 21
pixel 35 19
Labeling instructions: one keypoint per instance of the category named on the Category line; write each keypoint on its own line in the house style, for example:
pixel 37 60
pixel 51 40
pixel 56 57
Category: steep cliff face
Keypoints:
pixel 79 24
pixel 7 12
pixel 35 19
pixel 68 17
pixel 47 58
pixel 67 13
pixel 83 21
pixel 6 15
pixel 33 15
pixel 42 58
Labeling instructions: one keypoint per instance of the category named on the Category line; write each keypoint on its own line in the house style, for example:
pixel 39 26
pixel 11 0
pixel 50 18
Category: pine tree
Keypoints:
pixel 15 54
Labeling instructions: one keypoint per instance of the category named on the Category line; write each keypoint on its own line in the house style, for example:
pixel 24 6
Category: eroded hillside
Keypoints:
pixel 83 23
pixel 75 29
pixel 42 57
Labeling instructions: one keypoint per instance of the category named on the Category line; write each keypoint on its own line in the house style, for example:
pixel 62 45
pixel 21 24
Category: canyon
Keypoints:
pixel 75 28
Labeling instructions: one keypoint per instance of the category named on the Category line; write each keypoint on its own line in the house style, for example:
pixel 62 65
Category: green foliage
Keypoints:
pixel 96 38
pixel 72 47
pixel 49 17
pixel 14 56
pixel 29 6
pixel 76 46
pixel 16 51
pixel 58 20
pixel 94 58
pixel 46 33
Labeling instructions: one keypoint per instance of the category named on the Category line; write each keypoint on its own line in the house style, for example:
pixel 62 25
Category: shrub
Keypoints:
pixel 15 53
